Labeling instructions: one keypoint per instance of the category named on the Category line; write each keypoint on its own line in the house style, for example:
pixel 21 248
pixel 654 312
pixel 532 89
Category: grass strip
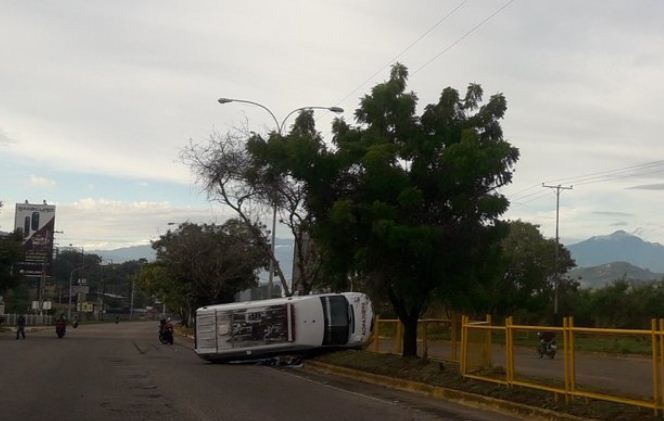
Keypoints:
pixel 441 374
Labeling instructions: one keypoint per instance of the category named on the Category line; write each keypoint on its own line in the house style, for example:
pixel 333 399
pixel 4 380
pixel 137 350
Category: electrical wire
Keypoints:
pixel 464 36
pixel 402 52
pixel 648 168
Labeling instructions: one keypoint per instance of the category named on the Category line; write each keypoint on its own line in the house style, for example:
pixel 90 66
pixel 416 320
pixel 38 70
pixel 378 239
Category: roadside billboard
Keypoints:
pixel 37 222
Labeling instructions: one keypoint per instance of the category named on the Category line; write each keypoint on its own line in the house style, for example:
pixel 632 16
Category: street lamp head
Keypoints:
pixel 336 109
pixel 224 100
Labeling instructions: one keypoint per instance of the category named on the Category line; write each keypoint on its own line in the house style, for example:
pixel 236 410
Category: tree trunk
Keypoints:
pixel 410 336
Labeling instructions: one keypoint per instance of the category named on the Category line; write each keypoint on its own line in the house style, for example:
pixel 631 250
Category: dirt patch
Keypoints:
pixel 447 375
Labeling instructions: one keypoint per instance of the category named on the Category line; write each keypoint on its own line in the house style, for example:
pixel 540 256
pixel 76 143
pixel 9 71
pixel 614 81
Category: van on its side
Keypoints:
pixel 257 329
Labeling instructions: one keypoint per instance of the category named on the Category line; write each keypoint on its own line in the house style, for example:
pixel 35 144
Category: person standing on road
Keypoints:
pixel 20 326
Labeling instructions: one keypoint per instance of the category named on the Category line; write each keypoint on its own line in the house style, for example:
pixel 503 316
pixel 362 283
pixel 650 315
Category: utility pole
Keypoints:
pixel 131 305
pixel 556 279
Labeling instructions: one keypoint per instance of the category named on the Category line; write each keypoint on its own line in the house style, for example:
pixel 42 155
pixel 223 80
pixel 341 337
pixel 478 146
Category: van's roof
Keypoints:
pixel 261 303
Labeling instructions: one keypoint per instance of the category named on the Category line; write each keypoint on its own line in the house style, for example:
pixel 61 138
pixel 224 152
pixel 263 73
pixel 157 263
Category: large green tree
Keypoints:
pixel 409 202
pixel 206 264
pixel 524 281
pixel 11 252
pixel 250 174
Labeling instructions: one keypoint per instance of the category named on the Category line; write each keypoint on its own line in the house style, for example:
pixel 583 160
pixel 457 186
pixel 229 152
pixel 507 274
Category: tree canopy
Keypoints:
pixel 199 265
pixel 11 252
pixel 408 201
pixel 523 281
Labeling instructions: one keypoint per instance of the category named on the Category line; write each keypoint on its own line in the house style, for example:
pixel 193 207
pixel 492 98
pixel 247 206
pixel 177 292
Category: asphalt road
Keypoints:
pixel 121 372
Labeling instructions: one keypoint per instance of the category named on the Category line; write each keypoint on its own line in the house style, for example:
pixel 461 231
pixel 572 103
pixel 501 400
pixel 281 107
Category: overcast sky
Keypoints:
pixel 97 98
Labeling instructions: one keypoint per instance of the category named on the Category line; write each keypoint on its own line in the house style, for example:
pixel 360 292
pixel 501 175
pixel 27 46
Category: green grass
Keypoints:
pixel 610 344
pixel 440 374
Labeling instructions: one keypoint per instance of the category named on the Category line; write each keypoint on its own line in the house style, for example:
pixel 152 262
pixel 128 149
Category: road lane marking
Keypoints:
pixel 140 351
pixel 339 388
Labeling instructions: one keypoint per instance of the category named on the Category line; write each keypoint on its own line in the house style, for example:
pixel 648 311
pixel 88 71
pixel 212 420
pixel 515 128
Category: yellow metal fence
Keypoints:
pixel 569 332
pixel 437 338
pixel 486 352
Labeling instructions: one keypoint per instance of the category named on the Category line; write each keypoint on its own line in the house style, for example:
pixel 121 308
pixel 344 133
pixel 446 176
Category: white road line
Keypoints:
pixel 362 395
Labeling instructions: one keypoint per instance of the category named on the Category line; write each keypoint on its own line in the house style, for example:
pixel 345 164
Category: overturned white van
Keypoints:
pixel 257 329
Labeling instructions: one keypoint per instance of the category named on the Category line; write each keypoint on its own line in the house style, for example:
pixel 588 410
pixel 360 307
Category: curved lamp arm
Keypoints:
pixel 227 100
pixel 280 127
pixel 333 109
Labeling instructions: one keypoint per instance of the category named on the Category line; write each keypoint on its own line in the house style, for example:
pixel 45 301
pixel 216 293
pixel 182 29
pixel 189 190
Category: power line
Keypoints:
pixel 464 36
pixel 622 176
pixel 647 168
pixel 402 52
pixel 452 45
pixel 533 197
pixel 615 173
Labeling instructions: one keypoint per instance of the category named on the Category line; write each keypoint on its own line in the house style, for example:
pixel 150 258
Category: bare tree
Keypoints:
pixel 225 169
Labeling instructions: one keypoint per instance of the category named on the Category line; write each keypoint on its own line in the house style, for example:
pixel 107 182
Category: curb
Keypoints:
pixel 437 392
pixel 28 329
pixel 184 335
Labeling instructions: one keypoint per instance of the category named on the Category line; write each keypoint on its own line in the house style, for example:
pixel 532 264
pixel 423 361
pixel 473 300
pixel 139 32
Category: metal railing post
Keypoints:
pixel 376 342
pixel 487 343
pixel 425 340
pixel 661 361
pixel 572 349
pixel 509 363
pixel 655 376
pixel 464 339
pixel 454 337
pixel 566 358
pixel 397 336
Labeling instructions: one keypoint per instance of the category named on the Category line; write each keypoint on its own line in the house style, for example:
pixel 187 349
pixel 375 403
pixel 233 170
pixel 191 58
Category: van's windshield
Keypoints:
pixel 335 312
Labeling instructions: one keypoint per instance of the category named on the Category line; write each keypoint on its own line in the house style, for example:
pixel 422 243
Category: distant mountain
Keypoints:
pixel 599 276
pixel 283 250
pixel 618 247
pixel 126 254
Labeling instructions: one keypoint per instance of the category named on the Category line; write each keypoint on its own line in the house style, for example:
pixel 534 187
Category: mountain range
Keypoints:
pixel 601 275
pixel 283 250
pixel 599 259
pixel 619 247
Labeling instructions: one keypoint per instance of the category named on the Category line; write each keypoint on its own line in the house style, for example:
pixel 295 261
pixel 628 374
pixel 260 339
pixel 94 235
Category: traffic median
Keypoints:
pixel 442 380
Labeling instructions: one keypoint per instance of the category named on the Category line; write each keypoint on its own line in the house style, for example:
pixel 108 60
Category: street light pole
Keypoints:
pixel 279 129
pixel 71 275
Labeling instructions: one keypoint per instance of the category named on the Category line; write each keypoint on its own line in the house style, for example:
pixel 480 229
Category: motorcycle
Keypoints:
pixel 547 348
pixel 60 328
pixel 166 334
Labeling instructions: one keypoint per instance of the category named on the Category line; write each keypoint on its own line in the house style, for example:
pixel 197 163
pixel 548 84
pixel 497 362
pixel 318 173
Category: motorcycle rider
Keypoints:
pixel 61 326
pixel 547 340
pixel 166 331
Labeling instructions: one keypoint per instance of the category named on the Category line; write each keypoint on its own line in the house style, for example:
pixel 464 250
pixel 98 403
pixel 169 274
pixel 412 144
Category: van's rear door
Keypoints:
pixel 206 335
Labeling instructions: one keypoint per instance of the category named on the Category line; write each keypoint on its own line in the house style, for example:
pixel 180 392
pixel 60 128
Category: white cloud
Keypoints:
pixel 118 90
pixel 43 182
pixel 104 223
